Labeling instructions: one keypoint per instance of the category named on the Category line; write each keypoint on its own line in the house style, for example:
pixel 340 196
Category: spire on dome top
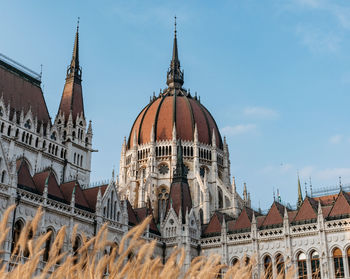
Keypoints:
pixel 175 77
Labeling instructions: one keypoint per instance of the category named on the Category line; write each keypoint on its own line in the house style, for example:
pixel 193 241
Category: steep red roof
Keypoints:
pixel 141 214
pixel 67 190
pixel 22 92
pixel 326 200
pixel 244 220
pixel 53 188
pixel 131 214
pixel 91 194
pixel 307 211
pixel 275 215
pixel 24 179
pixel 341 205
pixel 215 223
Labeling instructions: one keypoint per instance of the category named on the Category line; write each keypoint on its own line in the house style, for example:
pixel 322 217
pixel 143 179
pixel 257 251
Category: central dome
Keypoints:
pixel 174 106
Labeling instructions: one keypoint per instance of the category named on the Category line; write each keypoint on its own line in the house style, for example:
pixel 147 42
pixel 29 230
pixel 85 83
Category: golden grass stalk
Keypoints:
pixel 134 258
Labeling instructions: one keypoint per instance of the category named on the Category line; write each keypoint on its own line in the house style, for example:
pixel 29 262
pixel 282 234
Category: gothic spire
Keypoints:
pixel 74 69
pixel 175 77
pixel 300 195
pixel 72 97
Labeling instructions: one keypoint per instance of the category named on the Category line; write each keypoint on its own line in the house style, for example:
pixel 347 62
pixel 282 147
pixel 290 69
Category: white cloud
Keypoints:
pixel 318 40
pixel 260 112
pixel 238 129
pixel 336 139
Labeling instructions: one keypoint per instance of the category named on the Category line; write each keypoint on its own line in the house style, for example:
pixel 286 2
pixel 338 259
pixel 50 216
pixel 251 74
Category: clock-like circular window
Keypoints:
pixel 163 169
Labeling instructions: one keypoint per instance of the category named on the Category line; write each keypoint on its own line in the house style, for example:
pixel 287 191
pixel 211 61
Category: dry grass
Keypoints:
pixel 92 262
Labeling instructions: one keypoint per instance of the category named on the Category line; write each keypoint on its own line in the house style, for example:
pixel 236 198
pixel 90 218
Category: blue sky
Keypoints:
pixel 274 74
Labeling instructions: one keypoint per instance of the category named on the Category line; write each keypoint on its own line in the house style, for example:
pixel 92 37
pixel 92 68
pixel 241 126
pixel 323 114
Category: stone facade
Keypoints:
pixel 173 166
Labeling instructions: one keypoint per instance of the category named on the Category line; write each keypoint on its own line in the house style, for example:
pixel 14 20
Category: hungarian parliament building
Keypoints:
pixel 174 165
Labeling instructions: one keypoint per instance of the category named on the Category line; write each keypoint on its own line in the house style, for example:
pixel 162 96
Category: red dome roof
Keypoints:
pixel 170 108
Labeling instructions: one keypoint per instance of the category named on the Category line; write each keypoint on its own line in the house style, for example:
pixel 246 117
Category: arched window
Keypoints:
pixel 268 267
pixel 315 265
pixel 220 199
pixel 280 265
pixel 2 127
pixel 75 156
pixel 81 160
pixel 16 233
pixel 234 262
pixel 302 271
pixel 36 142
pixel 76 246
pixel 48 245
pixel 108 207
pixel 163 196
pixel 3 176
pixel 9 130
pixel 114 211
pixel 338 263
pixel 201 215
pixel 118 216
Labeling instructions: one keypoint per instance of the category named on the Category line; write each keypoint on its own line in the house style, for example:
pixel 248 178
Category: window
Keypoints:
pixel 163 196
pixel 221 205
pixel 3 176
pixel 280 265
pixel 28 125
pixel 53 136
pixel 76 246
pixel 16 233
pixel 315 265
pixel 338 263
pixel 48 245
pixel 302 271
pixel 9 130
pixel 268 267
pixel 234 262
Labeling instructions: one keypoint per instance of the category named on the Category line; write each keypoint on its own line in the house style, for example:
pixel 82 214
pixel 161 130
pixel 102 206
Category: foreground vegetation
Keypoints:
pixel 92 261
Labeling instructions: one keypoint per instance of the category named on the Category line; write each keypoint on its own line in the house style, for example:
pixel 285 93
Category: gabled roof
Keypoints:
pixel 275 215
pixel 91 194
pixel 341 205
pixel 215 223
pixel 24 179
pixel 244 220
pixel 307 210
pixel 131 214
pixel 80 200
pixel 53 188
pixel 141 214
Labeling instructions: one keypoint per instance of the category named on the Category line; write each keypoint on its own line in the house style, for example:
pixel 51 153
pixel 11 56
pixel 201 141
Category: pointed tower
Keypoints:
pixel 72 97
pixel 175 77
pixel 180 195
pixel 300 195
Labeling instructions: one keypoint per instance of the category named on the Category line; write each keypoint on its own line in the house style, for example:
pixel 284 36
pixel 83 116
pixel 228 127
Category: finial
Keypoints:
pixel 340 185
pixel 310 186
pixel 305 189
pixel 78 23
pixel 175 26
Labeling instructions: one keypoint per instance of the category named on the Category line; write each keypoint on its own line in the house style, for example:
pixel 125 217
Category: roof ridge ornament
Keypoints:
pixel 175 77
